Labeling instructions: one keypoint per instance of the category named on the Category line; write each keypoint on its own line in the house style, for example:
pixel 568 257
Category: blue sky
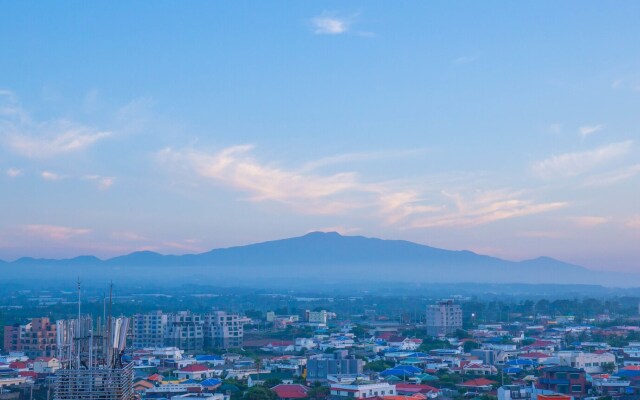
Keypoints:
pixel 507 128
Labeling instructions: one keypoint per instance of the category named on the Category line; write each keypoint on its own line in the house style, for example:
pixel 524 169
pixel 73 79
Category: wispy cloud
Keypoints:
pixel 54 232
pixel 50 176
pixel 329 24
pixel 360 157
pixel 572 164
pixel 66 137
pixel 307 191
pixel 14 172
pixel 398 206
pixel 588 221
pixel 542 234
pixel 634 222
pixel 40 139
pixel 235 167
pixel 104 182
pixel 128 236
pixel 589 129
pixel 613 177
pixel 485 207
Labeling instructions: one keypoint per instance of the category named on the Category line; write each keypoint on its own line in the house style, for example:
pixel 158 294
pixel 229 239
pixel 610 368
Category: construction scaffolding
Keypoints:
pixel 94 384
pixel 91 358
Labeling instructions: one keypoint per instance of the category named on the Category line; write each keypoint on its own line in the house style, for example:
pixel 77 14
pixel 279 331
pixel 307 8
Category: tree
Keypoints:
pixel 609 368
pixel 470 345
pixel 462 334
pixel 377 366
pixel 358 331
pixel 260 393
pixel 271 382
pixel 318 392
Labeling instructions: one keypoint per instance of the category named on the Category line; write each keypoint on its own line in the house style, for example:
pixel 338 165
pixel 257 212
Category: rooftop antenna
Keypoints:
pixel 109 333
pixel 78 326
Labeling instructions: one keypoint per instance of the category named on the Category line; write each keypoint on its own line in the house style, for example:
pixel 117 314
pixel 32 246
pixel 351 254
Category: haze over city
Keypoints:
pixel 507 129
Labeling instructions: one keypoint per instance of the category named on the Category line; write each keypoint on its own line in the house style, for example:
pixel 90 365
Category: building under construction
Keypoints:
pixel 91 355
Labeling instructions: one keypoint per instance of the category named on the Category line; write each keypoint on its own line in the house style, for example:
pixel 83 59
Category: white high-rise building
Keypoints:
pixel 148 329
pixel 444 318
pixel 185 331
pixel 224 330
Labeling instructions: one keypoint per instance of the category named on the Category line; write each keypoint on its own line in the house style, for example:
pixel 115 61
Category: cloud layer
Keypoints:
pixel 22 135
pixel 576 163
pixel 405 205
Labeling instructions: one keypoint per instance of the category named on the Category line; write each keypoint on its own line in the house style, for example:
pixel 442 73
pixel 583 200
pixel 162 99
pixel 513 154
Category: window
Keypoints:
pixel 574 376
pixel 563 388
pixel 576 388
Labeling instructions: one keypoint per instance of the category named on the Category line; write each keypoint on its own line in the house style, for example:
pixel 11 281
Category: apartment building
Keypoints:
pixel 36 338
pixel 148 329
pixel 185 331
pixel 223 330
pixel 318 369
pixel 564 380
pixel 591 363
pixel 362 390
pixel 317 317
pixel 443 318
pixel 188 331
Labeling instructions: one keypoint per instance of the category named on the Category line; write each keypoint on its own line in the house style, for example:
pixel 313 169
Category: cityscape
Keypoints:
pixel 328 200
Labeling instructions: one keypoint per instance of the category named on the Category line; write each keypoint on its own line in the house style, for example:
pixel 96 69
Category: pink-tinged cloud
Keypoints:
pixel 573 164
pixel 54 232
pixel 338 193
pixel 588 221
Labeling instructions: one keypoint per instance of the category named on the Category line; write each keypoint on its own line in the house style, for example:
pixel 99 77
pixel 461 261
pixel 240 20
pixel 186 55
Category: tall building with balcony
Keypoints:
pixel 564 380
pixel 443 318
pixel 148 329
pixel 319 369
pixel 185 331
pixel 36 338
pixel 223 330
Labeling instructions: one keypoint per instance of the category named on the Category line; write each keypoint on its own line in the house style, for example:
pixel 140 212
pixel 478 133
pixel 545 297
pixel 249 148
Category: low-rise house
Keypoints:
pixel 362 390
pixel 194 371
pixel 564 380
pixel 46 365
pixel 261 378
pixel 590 362
pixel 478 385
pixel 291 392
pixel 611 386
pixel 409 389
pixel 478 368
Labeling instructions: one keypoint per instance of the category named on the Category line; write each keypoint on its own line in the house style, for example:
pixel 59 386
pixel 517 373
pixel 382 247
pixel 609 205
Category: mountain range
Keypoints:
pixel 323 257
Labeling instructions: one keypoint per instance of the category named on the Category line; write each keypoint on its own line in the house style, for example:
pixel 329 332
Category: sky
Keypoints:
pixel 506 128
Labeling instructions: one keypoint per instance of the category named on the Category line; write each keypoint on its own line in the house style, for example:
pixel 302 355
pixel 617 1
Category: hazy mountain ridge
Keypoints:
pixel 329 257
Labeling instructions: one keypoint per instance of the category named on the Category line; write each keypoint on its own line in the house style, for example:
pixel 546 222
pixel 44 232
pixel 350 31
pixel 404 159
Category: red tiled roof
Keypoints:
pixel 45 359
pixel 479 382
pixel 155 378
pixel 417 396
pixel 414 388
pixel 195 368
pixel 290 391
pixel 386 335
pixel 18 365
